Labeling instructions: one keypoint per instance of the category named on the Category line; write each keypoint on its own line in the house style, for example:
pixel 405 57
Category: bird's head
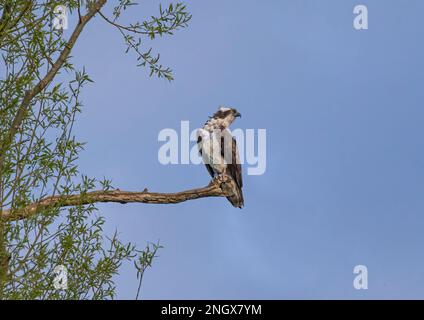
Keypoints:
pixel 226 116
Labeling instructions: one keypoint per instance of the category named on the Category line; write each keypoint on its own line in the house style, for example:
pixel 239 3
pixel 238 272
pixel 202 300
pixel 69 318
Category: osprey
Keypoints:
pixel 219 152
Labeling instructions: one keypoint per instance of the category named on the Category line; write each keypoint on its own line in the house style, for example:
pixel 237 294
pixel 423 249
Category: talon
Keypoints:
pixel 215 180
pixel 223 178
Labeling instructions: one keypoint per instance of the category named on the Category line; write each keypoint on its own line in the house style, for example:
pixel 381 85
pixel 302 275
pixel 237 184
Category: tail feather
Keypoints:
pixel 237 199
pixel 233 191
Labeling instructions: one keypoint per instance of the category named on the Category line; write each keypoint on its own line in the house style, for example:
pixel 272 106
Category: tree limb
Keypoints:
pixel 214 189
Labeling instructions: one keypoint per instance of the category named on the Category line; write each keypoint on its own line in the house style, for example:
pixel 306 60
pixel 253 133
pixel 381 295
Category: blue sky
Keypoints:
pixel 344 181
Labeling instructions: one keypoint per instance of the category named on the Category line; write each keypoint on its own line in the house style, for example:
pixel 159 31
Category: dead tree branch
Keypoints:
pixel 214 189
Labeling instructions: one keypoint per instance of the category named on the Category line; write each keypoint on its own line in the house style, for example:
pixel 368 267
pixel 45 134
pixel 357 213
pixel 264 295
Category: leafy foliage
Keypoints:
pixel 170 19
pixel 145 260
pixel 41 157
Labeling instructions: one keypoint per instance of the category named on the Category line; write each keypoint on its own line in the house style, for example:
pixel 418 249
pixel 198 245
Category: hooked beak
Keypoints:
pixel 238 115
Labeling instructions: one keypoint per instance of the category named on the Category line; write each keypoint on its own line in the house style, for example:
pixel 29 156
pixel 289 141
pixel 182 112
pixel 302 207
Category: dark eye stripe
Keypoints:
pixel 222 114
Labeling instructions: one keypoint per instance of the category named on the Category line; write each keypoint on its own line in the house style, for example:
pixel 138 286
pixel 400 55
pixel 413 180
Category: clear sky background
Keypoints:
pixel 344 182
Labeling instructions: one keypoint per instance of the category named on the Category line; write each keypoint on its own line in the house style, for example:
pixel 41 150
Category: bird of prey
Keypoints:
pixel 219 152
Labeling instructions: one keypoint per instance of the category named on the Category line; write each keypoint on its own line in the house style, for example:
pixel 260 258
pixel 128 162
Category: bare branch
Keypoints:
pixel 221 188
